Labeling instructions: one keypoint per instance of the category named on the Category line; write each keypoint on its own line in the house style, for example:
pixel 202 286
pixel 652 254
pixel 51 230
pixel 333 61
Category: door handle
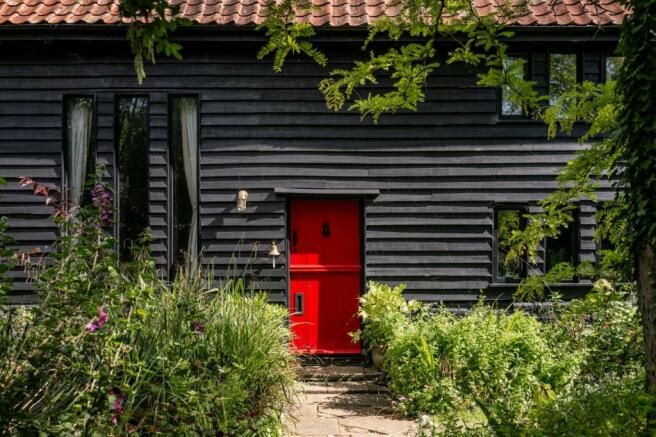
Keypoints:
pixel 298 304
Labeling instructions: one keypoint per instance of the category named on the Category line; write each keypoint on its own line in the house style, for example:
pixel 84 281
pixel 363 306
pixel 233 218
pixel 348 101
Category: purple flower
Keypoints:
pixel 197 326
pixel 102 319
pixel 117 397
pixel 101 200
pixel 102 316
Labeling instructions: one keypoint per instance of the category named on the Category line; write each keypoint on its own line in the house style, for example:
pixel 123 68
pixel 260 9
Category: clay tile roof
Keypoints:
pixel 323 13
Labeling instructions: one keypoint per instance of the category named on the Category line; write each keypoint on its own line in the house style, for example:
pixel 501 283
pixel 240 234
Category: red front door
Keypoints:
pixel 325 275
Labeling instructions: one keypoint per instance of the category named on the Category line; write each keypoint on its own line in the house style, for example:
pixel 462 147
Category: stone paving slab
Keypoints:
pixel 344 387
pixel 334 373
pixel 340 406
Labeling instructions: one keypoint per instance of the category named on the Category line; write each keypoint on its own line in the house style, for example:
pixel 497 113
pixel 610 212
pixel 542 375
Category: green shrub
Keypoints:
pixel 114 349
pixel 383 309
pixel 611 406
pixel 494 373
pixel 495 363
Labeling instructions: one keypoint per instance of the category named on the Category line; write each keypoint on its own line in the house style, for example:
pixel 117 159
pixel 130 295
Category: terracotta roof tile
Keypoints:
pixel 322 13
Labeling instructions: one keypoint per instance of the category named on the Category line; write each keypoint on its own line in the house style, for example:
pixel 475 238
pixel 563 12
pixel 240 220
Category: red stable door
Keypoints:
pixel 325 275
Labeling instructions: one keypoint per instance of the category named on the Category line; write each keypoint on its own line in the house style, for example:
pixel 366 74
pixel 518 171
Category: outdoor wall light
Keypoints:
pixel 274 253
pixel 242 200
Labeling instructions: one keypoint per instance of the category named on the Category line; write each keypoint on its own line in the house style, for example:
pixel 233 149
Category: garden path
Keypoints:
pixel 346 401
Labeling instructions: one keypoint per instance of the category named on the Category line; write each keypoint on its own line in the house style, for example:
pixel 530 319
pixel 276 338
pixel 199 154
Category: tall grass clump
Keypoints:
pixel 113 349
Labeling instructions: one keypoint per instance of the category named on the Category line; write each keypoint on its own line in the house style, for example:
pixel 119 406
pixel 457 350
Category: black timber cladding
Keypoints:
pixel 439 171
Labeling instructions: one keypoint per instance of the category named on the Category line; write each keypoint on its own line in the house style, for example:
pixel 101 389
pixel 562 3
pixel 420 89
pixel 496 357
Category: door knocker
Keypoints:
pixel 326 229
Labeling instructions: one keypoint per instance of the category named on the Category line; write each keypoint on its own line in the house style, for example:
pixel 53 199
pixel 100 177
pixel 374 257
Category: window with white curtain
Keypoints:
pixel 79 160
pixel 184 177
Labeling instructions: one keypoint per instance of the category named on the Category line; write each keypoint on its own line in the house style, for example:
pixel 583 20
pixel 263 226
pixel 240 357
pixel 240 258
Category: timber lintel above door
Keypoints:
pixel 325 192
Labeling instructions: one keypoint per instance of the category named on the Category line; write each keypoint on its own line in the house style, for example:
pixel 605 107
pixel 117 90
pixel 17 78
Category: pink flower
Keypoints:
pixel 102 319
pixel 197 326
pixel 102 316
pixel 40 189
pixel 24 181
pixel 117 404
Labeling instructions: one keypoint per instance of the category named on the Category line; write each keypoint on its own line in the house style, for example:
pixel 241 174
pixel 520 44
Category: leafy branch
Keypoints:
pixel 151 23
pixel 285 35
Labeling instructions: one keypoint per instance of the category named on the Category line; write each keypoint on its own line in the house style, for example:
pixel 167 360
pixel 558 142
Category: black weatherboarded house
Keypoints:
pixel 218 127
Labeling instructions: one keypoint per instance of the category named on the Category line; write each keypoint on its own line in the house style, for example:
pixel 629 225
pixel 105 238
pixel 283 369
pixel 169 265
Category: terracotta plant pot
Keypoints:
pixel 378 356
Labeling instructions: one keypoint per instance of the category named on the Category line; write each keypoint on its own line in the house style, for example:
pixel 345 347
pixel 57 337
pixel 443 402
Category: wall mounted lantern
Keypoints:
pixel 274 253
pixel 242 200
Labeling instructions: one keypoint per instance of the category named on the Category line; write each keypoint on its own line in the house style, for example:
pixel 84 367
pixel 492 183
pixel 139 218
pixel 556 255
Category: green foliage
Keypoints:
pixel 495 363
pixel 408 69
pixel 112 349
pixel 383 310
pixel 637 120
pixel 285 35
pixel 151 23
pixel 493 373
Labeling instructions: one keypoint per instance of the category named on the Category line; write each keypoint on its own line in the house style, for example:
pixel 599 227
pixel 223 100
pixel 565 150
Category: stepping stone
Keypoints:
pixel 338 373
pixel 341 401
pixel 315 426
pixel 344 387
pixel 375 425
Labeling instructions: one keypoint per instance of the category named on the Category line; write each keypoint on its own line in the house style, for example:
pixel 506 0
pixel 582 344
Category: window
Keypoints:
pixel 613 64
pixel 79 159
pixel 564 247
pixel 506 221
pixel 607 214
pixel 509 104
pixel 562 75
pixel 183 155
pixel 132 140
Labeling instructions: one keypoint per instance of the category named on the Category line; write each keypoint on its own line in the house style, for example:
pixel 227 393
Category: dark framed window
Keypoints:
pixel 132 143
pixel 612 65
pixel 80 146
pixel 603 217
pixel 565 247
pixel 508 105
pixel 563 74
pixel 507 219
pixel 184 177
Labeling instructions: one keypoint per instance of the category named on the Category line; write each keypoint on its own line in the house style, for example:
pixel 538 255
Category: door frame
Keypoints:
pixel 288 221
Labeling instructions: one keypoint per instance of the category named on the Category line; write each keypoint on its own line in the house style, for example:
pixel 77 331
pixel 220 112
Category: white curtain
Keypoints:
pixel 79 137
pixel 189 123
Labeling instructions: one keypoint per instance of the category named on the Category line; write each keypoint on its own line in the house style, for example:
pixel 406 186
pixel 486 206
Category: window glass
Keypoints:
pixel 509 105
pixel 80 147
pixel 184 172
pixel 613 64
pixel 563 248
pixel 507 221
pixel 132 162
pixel 562 75
pixel 606 214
